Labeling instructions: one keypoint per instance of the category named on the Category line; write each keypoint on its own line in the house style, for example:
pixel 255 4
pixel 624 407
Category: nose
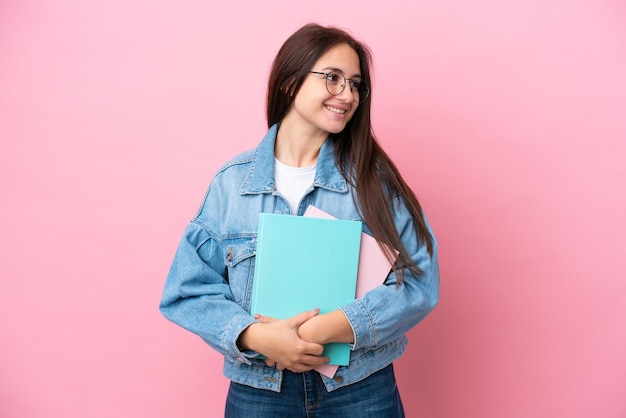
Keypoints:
pixel 347 94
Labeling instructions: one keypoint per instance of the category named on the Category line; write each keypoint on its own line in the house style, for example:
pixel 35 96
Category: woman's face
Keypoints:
pixel 314 108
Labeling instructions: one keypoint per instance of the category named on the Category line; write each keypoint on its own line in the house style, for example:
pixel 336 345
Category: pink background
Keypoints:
pixel 507 118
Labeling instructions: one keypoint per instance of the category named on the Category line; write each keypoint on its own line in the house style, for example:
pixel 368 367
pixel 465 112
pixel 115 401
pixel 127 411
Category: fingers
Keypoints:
pixel 308 364
pixel 305 363
pixel 312 348
pixel 295 321
pixel 302 317
pixel 278 340
pixel 296 368
pixel 265 319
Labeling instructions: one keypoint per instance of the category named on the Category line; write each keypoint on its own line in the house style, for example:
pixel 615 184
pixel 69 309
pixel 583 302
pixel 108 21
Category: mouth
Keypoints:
pixel 335 109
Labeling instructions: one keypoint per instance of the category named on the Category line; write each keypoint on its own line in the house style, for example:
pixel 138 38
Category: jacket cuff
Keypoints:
pixel 362 324
pixel 231 334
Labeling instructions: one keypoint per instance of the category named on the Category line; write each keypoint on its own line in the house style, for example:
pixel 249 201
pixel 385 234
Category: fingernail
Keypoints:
pixel 257 316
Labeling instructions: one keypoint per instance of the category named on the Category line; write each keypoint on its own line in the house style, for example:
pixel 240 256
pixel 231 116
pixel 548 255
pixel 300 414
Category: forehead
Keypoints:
pixel 340 57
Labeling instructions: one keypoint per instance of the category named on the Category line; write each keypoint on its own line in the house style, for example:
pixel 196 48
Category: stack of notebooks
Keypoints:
pixel 314 261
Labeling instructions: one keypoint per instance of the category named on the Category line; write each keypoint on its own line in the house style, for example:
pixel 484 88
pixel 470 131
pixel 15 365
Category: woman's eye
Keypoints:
pixel 354 84
pixel 333 77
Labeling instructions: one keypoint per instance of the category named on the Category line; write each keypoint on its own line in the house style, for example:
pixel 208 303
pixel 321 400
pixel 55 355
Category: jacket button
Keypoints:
pixel 339 379
pixel 270 379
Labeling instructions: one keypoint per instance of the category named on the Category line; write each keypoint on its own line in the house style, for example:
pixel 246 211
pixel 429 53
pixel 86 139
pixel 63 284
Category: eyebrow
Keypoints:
pixel 339 70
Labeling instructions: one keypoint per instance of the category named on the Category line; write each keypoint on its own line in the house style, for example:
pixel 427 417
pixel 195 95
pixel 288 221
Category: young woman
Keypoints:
pixel 319 150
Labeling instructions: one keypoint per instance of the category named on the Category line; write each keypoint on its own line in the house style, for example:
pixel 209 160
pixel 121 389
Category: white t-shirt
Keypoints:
pixel 293 182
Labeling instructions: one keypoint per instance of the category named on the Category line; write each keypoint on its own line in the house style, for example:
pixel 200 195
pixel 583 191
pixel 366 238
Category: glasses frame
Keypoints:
pixel 345 82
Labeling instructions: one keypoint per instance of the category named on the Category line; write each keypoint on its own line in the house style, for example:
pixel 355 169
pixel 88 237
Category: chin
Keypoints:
pixel 335 129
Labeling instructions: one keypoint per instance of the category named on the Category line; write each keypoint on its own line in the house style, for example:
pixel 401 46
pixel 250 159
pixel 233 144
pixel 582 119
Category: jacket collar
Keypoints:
pixel 261 175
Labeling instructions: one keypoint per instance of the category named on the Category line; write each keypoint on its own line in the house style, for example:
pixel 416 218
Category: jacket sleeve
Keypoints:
pixel 197 296
pixel 388 311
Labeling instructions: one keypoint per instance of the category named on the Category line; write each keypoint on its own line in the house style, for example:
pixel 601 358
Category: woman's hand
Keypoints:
pixel 331 327
pixel 278 340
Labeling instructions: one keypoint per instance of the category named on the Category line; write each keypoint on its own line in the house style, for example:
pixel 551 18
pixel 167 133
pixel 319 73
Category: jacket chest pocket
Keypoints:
pixel 239 260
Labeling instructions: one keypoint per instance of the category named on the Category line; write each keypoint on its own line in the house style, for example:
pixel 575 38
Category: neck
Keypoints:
pixel 297 148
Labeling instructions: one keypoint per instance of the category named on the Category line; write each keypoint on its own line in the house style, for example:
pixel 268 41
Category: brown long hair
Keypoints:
pixel 360 158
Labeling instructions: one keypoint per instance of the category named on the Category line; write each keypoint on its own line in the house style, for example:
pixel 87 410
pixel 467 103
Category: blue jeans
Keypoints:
pixel 304 395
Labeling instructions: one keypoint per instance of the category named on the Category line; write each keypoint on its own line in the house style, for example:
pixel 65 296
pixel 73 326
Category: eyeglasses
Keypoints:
pixel 336 84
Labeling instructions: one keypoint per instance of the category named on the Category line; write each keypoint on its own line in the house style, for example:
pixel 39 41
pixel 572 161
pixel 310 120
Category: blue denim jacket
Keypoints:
pixel 209 285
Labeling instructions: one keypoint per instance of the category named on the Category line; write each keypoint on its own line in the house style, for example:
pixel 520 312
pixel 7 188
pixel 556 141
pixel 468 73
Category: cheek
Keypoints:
pixel 307 98
pixel 354 110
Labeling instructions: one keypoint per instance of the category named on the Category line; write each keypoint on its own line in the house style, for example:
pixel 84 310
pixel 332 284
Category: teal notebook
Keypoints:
pixel 305 263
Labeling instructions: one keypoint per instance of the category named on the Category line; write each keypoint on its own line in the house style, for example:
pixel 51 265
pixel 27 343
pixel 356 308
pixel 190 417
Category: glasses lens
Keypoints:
pixel 363 92
pixel 335 83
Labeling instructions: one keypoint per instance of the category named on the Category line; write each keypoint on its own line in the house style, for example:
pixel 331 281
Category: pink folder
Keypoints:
pixel 373 270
